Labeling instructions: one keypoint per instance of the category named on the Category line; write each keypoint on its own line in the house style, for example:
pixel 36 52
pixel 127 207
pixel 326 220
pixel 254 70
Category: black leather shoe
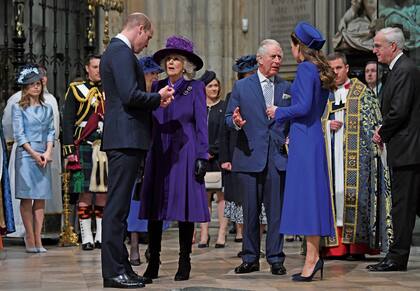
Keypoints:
pixel 122 281
pixel 278 269
pixel 133 275
pixel 387 265
pixel 247 268
pixel 87 246
pixel 98 245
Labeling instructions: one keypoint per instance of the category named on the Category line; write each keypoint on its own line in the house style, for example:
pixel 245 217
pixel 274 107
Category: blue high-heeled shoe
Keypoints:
pixel 318 266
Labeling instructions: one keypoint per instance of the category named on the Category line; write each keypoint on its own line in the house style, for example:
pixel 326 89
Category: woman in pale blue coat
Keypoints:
pixel 33 131
pixel 307 201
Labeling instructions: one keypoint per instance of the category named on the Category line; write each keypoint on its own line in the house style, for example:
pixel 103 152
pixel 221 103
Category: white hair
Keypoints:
pixel 188 68
pixel 262 50
pixel 394 34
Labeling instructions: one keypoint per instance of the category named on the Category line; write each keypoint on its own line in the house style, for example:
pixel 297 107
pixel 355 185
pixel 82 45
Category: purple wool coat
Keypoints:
pixel 179 137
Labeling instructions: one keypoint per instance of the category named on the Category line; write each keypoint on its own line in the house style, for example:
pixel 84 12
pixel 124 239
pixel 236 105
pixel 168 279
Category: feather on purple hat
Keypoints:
pixel 177 44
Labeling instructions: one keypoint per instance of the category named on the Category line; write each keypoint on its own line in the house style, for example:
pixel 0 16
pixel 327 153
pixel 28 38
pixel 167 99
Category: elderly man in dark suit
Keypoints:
pixel 400 132
pixel 126 138
pixel 259 156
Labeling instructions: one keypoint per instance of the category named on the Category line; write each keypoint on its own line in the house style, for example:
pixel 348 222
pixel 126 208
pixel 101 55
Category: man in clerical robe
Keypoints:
pixel 360 184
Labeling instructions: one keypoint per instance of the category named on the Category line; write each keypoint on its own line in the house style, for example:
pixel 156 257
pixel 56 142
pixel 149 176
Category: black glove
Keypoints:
pixel 200 170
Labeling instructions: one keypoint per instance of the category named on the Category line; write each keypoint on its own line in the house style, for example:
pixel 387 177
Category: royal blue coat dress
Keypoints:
pixel 307 208
pixel 179 137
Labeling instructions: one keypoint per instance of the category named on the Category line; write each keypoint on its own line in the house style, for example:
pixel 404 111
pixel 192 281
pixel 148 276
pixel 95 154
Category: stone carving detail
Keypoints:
pixel 357 27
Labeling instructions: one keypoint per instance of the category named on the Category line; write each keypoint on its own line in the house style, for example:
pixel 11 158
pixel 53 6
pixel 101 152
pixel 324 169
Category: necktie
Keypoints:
pixel 268 92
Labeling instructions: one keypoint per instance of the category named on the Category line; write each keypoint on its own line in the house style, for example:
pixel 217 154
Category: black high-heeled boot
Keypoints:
pixel 154 229
pixel 184 268
pixel 186 230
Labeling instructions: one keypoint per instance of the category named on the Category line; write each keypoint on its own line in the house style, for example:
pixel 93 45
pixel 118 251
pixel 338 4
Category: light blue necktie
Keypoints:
pixel 268 92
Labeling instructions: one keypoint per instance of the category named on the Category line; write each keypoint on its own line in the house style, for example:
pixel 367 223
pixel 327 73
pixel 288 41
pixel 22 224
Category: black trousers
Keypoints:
pixel 405 191
pixel 123 167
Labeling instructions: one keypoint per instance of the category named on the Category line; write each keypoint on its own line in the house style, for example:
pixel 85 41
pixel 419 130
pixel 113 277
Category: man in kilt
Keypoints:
pixel 82 132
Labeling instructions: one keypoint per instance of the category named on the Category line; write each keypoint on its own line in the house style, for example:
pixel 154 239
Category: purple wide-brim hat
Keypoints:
pixel 309 35
pixel 177 44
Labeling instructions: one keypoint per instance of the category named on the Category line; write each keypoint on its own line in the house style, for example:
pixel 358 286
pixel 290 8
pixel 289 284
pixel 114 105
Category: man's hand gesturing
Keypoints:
pixel 237 118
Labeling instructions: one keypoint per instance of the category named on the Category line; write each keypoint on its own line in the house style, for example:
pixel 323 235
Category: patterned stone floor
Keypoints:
pixel 72 269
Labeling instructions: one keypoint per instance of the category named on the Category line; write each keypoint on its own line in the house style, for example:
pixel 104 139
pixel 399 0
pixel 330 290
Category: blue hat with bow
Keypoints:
pixel 309 35
pixel 28 74
pixel 149 65
pixel 245 64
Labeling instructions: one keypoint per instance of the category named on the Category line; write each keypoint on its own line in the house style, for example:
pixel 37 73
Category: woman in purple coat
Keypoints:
pixel 307 201
pixel 173 187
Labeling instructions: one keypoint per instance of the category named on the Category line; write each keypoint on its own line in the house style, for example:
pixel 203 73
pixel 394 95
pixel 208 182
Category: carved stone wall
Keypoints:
pixel 216 27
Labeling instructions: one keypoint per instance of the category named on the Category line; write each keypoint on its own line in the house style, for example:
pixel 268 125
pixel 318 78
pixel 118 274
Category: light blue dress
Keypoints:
pixel 33 125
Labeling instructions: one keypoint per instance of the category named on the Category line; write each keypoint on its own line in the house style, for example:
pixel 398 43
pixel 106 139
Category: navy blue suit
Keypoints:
pixel 126 137
pixel 260 161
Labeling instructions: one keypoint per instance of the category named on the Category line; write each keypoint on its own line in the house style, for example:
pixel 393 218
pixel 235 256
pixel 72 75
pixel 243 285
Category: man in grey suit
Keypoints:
pixel 126 138
pixel 400 132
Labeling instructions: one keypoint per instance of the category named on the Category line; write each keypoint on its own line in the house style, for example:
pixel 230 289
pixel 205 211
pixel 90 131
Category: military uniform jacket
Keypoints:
pixel 81 101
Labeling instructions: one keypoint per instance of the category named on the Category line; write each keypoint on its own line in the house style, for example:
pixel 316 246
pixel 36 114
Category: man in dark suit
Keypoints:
pixel 400 132
pixel 259 157
pixel 126 138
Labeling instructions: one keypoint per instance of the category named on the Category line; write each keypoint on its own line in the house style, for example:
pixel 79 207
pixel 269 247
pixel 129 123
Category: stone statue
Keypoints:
pixel 405 14
pixel 357 27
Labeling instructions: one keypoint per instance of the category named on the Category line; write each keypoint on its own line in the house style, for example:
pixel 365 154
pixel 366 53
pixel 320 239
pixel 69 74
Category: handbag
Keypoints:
pixel 213 180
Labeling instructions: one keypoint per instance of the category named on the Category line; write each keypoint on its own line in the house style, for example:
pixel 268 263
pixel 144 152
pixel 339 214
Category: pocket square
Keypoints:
pixel 286 96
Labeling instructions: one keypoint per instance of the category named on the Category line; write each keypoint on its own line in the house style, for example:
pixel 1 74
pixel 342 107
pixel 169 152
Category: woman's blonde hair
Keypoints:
pixel 317 57
pixel 25 100
pixel 189 68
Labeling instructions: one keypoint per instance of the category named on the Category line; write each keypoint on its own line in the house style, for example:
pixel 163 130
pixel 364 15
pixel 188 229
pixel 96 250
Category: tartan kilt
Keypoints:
pixel 80 180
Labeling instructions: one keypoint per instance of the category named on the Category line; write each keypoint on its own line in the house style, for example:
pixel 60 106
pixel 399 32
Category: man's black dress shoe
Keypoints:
pixel 123 281
pixel 133 275
pixel 87 246
pixel 247 268
pixel 386 265
pixel 278 269
pixel 98 245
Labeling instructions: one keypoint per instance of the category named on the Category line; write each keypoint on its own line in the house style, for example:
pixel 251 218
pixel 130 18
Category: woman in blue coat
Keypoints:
pixel 173 187
pixel 33 131
pixel 307 204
